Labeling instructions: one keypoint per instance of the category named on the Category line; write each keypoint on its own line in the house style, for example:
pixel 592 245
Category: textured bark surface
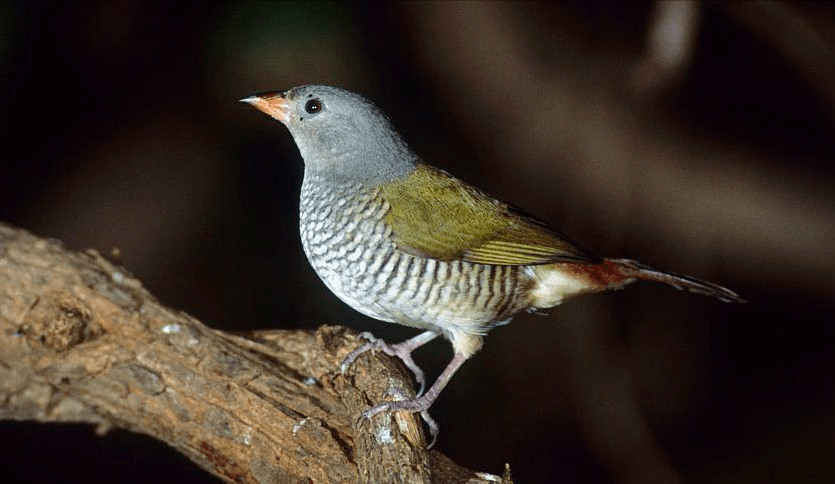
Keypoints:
pixel 82 341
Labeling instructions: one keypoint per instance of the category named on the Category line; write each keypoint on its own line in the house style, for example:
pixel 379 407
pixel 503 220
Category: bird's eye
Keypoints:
pixel 313 106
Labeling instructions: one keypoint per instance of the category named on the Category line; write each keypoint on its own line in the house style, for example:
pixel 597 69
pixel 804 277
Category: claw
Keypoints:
pixel 370 341
pixel 433 427
pixel 367 336
pixel 422 402
pixel 403 351
pixel 368 413
pixel 415 405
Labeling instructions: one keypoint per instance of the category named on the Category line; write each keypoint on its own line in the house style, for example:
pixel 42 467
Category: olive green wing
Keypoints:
pixel 435 215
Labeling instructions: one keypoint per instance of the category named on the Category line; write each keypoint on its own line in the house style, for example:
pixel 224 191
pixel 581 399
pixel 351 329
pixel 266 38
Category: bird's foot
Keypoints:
pixel 400 350
pixel 414 405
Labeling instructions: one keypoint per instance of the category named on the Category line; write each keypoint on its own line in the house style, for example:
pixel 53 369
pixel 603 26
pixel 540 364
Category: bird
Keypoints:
pixel 404 242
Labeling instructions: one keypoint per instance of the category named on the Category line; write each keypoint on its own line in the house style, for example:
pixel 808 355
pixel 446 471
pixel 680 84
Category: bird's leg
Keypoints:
pixel 430 422
pixel 400 350
pixel 421 404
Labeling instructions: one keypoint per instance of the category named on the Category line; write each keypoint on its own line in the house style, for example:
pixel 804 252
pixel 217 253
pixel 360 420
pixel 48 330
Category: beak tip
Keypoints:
pixel 273 104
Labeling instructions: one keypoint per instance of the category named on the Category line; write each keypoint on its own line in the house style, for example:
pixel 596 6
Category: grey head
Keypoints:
pixel 341 136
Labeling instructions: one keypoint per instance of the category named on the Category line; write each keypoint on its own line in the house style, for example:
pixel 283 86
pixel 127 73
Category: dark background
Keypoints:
pixel 120 127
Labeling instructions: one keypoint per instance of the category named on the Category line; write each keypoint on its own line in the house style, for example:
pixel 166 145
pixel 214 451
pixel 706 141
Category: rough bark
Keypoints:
pixel 82 341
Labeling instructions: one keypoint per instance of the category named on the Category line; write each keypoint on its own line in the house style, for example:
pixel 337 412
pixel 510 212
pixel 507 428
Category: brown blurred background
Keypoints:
pixel 697 137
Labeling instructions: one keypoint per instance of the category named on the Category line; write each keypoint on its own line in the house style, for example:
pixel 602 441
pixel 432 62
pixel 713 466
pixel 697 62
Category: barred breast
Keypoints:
pixel 348 243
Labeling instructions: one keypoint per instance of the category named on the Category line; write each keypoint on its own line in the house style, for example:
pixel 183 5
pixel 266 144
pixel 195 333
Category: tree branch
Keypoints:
pixel 82 341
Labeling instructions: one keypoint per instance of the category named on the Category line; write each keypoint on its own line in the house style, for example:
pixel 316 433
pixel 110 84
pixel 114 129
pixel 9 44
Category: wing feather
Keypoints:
pixel 435 215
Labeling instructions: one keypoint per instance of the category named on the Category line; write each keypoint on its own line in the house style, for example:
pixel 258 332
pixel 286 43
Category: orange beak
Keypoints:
pixel 271 103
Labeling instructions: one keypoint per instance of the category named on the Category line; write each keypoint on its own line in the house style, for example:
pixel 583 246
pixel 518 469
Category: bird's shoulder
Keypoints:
pixel 433 214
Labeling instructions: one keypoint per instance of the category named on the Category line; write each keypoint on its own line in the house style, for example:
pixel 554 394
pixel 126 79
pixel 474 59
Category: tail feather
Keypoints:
pixel 631 268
